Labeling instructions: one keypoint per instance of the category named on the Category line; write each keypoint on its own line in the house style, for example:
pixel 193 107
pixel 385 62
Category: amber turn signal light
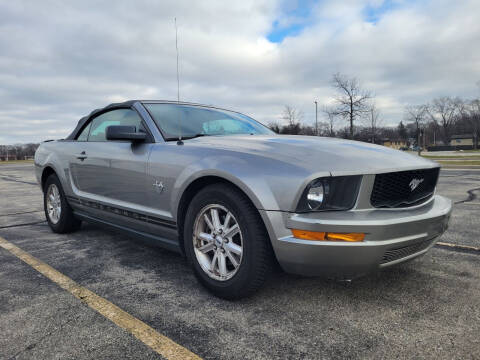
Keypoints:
pixel 308 235
pixel 327 236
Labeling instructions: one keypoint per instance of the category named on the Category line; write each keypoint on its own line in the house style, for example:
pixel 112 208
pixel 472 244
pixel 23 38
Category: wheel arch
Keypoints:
pixel 46 172
pixel 193 188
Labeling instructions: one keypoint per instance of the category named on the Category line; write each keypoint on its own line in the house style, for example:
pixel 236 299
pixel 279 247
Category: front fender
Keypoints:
pixel 270 184
pixel 233 169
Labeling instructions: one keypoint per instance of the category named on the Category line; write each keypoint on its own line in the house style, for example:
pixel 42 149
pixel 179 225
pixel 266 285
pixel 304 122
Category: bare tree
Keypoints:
pixel 274 126
pixel 374 120
pixel 292 117
pixel 402 132
pixel 444 111
pixel 471 111
pixel 416 114
pixel 475 120
pixel 352 100
pixel 324 129
pixel 330 114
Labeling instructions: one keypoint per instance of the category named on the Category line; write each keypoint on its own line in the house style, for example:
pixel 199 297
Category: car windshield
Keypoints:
pixel 201 121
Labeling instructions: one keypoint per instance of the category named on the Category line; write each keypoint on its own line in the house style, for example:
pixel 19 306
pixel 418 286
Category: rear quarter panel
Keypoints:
pixel 56 155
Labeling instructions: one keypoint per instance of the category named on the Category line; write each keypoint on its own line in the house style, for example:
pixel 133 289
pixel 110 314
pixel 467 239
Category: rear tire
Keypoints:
pixel 58 212
pixel 249 248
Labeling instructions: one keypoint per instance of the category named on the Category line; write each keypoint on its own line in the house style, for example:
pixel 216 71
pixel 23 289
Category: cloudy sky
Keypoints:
pixel 61 59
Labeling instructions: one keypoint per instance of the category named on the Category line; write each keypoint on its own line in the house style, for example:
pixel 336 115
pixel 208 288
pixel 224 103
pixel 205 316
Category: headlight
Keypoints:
pixel 316 194
pixel 330 193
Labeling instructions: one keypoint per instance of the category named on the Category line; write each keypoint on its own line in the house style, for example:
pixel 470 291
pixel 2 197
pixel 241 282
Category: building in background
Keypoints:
pixel 462 140
pixel 394 144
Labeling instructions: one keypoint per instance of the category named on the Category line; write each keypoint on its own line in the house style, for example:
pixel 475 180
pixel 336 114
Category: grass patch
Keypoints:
pixel 16 162
pixel 460 162
pixel 452 157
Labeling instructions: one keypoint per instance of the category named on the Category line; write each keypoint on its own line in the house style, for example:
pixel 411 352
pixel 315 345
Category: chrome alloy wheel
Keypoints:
pixel 54 203
pixel 217 242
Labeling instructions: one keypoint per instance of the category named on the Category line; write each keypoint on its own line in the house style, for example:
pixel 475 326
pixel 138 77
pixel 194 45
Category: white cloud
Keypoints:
pixel 60 60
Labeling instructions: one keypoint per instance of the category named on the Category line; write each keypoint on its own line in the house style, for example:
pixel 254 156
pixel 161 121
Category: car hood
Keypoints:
pixel 339 156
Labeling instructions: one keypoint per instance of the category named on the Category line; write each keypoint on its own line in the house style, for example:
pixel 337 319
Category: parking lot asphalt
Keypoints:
pixel 427 308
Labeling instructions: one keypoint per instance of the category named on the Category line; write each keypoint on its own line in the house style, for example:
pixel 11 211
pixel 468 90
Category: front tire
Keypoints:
pixel 58 212
pixel 226 242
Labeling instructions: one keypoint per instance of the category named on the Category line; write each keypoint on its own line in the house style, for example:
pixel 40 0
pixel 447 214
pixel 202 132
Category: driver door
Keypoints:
pixel 111 175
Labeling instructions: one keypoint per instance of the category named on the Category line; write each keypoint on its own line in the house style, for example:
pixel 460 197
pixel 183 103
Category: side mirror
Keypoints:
pixel 119 132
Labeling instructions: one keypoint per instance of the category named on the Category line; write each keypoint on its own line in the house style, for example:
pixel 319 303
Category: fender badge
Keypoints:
pixel 159 187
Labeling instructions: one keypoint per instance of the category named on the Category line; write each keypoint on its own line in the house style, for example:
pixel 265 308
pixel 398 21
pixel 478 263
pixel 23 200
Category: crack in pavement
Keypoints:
pixel 34 344
pixel 23 224
pixel 21 213
pixel 14 179
pixel 6 178
pixel 471 196
pixel 458 248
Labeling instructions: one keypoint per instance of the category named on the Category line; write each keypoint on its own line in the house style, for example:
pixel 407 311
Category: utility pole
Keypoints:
pixel 316 118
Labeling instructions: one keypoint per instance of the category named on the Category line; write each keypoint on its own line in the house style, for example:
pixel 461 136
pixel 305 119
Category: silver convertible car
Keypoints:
pixel 236 198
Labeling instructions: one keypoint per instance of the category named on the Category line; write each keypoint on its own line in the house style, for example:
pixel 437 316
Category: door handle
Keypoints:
pixel 82 156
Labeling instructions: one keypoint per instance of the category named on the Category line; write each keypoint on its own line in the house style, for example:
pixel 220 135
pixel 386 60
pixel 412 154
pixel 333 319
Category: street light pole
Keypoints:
pixel 316 119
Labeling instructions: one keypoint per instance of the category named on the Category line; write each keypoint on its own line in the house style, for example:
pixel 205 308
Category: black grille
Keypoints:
pixel 393 190
pixel 400 253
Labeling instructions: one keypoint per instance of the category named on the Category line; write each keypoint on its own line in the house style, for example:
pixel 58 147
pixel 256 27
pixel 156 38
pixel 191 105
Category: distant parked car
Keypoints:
pixel 404 148
pixel 234 197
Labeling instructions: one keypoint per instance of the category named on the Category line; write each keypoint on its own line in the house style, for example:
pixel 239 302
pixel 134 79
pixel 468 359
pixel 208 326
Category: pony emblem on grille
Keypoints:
pixel 414 183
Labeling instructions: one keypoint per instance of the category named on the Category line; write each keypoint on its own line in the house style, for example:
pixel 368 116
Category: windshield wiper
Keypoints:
pixel 193 136
pixel 186 137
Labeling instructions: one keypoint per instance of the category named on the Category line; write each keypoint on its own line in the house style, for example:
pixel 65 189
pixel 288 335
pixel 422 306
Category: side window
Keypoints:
pixel 84 134
pixel 125 117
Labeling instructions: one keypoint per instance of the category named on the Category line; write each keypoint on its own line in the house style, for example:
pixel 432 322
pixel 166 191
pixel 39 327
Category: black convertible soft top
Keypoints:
pixel 84 119
pixel 128 104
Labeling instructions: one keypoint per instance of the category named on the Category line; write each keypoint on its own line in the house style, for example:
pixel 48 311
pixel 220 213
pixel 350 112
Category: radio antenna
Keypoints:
pixel 176 48
pixel 179 142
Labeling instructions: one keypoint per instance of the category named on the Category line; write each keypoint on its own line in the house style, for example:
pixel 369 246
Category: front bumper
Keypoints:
pixel 392 236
